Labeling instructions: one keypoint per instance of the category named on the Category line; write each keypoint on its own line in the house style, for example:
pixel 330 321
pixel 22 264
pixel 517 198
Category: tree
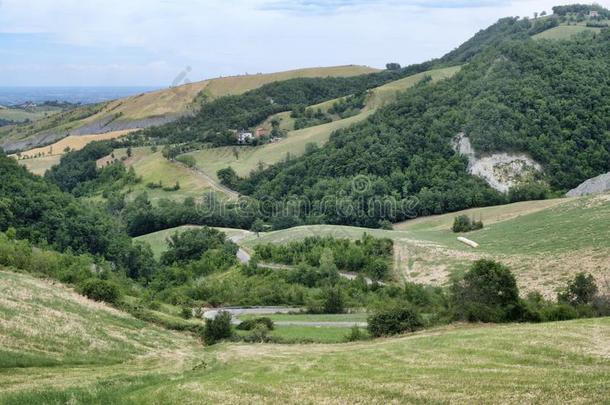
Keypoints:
pixel 258 226
pixel 191 244
pixel 393 66
pixel 333 301
pixel 129 152
pixel 488 292
pixel 217 329
pixel 580 291
pixel 228 177
pixel 398 317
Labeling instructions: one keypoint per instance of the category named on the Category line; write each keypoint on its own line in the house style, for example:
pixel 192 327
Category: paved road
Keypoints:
pixel 238 311
pixel 243 256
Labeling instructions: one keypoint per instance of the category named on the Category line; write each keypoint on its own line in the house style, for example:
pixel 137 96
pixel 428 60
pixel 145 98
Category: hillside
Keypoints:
pixel 544 242
pixel 149 109
pixel 113 358
pixel 294 144
pixel 540 100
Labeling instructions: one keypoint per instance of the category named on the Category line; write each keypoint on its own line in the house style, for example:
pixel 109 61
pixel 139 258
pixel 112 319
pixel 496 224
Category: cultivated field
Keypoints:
pixel 160 106
pixel 74 143
pixel 58 347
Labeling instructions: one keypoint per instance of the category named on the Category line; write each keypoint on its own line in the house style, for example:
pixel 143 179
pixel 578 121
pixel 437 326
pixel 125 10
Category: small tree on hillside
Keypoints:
pixel 488 292
pixel 217 329
pixel 580 291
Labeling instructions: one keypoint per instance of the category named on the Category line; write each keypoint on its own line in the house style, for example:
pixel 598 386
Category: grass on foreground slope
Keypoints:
pixel 542 363
pixel 212 160
pixel 44 324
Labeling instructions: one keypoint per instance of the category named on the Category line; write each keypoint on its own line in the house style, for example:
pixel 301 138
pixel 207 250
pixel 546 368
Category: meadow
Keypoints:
pixel 77 351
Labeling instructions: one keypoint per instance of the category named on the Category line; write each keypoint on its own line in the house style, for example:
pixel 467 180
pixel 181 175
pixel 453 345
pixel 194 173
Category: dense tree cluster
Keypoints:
pixel 367 255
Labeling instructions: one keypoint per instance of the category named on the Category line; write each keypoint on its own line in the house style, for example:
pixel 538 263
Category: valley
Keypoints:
pixel 437 232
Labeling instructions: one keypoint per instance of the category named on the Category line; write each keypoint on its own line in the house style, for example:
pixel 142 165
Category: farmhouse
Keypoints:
pixel 594 14
pixel 244 137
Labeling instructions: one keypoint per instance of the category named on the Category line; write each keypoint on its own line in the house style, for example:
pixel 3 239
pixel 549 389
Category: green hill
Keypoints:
pixel 249 158
pixel 543 99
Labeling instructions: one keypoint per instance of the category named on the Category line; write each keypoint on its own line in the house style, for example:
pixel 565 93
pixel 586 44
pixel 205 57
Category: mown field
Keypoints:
pixel 249 158
pixel 563 32
pixel 58 347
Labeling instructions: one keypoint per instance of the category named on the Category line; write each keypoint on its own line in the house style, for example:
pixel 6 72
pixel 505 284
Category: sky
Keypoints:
pixel 167 42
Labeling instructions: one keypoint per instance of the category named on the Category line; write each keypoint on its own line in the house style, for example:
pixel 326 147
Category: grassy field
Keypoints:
pixel 564 32
pixel 249 158
pixel 212 160
pixel 21 115
pixel 40 165
pixel 58 347
pixel 73 142
pixel 158 240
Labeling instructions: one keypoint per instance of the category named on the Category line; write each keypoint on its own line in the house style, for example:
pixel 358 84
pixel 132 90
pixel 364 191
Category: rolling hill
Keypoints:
pixel 149 109
pixel 544 242
pixel 60 347
pixel 249 158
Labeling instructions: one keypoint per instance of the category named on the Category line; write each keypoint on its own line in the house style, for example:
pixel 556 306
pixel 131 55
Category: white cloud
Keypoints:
pixel 218 37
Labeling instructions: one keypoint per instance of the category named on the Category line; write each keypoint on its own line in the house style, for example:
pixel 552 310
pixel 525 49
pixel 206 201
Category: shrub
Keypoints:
pixel 488 292
pixel 186 312
pixel 333 301
pixel 558 312
pixel 394 319
pixel 355 334
pixel 217 329
pixel 250 324
pixel 579 291
pixel 101 290
pixel 464 224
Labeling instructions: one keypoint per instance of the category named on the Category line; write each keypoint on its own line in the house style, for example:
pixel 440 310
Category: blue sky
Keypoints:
pixel 148 42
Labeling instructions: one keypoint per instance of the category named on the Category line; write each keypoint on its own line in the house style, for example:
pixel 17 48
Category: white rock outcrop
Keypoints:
pixel 500 170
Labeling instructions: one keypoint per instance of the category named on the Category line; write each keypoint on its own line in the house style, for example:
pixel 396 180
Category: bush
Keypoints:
pixel 250 324
pixel 355 334
pixel 100 290
pixel 187 312
pixel 580 291
pixel 464 224
pixel 488 292
pixel 333 301
pixel 395 319
pixel 558 312
pixel 217 329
